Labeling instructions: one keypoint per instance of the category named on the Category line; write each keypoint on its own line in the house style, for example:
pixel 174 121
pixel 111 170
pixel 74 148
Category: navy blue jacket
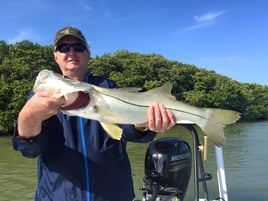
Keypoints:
pixel 78 161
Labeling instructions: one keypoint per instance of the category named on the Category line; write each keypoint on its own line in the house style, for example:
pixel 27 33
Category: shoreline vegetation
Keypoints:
pixel 21 62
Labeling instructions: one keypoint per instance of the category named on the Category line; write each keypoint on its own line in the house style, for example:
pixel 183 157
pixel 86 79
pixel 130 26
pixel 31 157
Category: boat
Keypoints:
pixel 169 162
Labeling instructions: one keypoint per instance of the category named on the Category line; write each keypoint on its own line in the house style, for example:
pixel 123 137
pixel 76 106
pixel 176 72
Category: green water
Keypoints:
pixel 245 154
pixel 17 174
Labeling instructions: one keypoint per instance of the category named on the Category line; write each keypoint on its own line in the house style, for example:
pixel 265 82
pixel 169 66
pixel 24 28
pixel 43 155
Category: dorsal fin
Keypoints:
pixel 164 90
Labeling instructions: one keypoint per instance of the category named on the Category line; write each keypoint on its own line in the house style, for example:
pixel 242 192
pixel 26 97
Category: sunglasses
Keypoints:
pixel 65 47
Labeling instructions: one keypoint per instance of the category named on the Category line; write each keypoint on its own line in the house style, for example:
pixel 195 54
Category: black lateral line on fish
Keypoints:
pixel 148 106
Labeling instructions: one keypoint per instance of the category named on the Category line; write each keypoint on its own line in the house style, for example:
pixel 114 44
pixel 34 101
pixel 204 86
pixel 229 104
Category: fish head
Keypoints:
pixel 58 85
pixel 45 82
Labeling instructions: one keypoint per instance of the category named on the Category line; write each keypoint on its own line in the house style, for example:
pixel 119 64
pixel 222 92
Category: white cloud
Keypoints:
pixel 208 16
pixel 23 35
pixel 196 26
pixel 204 20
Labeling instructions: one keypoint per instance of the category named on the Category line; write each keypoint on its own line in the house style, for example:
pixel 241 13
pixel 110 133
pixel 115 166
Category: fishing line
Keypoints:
pixel 85 157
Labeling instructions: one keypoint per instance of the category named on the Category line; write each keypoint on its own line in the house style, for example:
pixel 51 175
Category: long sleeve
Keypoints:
pixel 134 135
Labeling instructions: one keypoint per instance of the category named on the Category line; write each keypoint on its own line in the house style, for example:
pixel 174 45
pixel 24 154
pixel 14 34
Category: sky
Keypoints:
pixel 229 37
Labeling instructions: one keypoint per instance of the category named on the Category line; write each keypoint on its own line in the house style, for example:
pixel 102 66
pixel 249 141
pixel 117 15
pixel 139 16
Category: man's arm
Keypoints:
pixel 38 108
pixel 30 131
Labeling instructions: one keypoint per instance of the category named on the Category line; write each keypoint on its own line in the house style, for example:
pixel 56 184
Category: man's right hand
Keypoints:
pixel 38 108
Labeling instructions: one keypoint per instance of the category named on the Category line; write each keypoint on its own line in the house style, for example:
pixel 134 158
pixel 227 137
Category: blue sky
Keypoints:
pixel 228 36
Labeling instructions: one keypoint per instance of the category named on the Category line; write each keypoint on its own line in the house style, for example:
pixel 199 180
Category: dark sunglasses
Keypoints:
pixel 65 47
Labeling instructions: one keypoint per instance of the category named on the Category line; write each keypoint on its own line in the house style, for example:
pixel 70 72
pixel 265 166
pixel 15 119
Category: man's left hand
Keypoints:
pixel 159 119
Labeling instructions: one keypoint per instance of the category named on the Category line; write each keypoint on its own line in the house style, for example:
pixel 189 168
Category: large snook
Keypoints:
pixel 128 106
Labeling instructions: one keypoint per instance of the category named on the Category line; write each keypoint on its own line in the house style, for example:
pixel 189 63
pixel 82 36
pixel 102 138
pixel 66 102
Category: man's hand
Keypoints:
pixel 40 107
pixel 159 118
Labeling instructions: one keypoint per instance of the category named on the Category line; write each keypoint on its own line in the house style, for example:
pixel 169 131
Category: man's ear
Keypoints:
pixel 55 56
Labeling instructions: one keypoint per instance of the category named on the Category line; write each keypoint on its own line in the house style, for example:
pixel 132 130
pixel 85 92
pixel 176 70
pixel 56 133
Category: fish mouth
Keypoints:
pixel 82 100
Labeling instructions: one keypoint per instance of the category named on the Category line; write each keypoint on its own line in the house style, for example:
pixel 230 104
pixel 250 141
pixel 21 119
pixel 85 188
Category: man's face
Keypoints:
pixel 73 61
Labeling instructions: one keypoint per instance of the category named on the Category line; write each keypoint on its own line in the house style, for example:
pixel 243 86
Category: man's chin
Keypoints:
pixel 73 67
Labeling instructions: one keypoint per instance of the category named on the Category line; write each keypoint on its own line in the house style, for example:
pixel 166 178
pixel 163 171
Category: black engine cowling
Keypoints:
pixel 168 164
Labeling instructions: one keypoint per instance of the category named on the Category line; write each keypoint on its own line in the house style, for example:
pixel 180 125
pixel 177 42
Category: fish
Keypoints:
pixel 115 106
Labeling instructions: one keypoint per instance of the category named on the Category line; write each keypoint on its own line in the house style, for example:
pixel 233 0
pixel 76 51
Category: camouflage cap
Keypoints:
pixel 69 31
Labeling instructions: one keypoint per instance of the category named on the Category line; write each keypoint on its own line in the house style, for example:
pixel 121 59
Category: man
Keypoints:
pixel 77 160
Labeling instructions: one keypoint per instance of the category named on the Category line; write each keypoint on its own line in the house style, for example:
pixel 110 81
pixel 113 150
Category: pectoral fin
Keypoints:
pixel 113 130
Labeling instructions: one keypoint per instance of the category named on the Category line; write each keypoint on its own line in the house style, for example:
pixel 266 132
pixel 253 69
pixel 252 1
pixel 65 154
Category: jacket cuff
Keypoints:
pixel 30 147
pixel 130 133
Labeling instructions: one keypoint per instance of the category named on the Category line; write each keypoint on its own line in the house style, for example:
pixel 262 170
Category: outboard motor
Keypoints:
pixel 168 164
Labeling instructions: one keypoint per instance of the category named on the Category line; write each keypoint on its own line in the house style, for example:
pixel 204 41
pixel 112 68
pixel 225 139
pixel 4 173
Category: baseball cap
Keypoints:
pixel 69 31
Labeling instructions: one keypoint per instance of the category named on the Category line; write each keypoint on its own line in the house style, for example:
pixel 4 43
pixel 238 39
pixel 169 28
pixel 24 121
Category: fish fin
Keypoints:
pixel 215 132
pixel 113 130
pixel 164 90
pixel 224 117
pixel 218 119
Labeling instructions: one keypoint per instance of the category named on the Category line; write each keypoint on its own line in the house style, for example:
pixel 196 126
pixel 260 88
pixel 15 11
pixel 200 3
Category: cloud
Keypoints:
pixel 23 35
pixel 208 16
pixel 204 20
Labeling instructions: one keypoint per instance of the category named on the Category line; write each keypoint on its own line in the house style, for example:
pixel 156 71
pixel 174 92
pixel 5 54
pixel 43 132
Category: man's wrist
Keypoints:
pixel 143 129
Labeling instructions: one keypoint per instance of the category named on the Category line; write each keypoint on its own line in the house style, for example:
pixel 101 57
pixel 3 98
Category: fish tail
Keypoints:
pixel 215 132
pixel 223 117
pixel 217 120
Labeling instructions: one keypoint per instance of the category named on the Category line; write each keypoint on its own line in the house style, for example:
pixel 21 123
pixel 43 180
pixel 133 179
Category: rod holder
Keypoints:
pixel 204 148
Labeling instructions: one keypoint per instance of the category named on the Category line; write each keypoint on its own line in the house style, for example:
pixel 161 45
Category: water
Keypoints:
pixel 246 162
pixel 245 154
pixel 17 174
